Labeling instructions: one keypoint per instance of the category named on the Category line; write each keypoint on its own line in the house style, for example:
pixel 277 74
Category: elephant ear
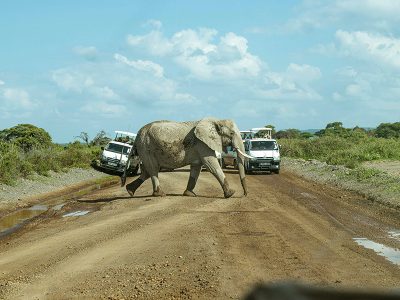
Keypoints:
pixel 207 131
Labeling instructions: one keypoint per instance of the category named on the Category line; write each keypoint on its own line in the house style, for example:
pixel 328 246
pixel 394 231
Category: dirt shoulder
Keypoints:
pixel 377 181
pixel 29 191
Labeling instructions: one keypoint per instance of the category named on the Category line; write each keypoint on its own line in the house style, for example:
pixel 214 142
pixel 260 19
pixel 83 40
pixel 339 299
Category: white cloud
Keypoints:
pixel 120 82
pixel 156 24
pixel 104 108
pixel 376 14
pixel 89 53
pixel 303 73
pixel 370 47
pixel 154 42
pixel 72 80
pixel 376 9
pixel 347 72
pixel 17 99
pixel 296 83
pixel 196 51
pixel 105 92
pixel 142 65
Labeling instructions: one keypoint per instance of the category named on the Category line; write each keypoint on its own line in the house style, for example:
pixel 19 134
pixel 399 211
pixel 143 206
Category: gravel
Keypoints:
pixel 381 186
pixel 37 185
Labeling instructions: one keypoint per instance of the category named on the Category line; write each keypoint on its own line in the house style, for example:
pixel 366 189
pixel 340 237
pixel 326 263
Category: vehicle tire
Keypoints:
pixel 246 170
pixel 276 171
pixel 223 165
pixel 134 171
pixel 235 165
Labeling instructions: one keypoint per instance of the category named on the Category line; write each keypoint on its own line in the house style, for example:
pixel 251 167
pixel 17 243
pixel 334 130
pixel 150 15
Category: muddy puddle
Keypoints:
pixel 16 219
pixel 13 221
pixel 389 253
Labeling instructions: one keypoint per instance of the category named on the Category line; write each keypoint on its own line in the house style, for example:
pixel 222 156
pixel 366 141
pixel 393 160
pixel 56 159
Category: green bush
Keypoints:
pixel 26 149
pixel 26 136
pixel 348 151
pixel 9 162
pixel 16 163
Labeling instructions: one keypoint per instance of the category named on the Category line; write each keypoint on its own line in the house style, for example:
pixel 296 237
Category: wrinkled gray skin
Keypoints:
pixel 171 145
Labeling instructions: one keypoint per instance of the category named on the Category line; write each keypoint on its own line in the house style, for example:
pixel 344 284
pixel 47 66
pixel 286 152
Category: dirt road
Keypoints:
pixel 206 247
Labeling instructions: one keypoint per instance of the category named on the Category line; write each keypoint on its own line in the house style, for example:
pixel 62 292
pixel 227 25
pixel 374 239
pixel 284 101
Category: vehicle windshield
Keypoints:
pixel 264 145
pixel 117 148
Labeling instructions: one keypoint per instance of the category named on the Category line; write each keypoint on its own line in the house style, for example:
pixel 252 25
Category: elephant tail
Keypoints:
pixel 125 173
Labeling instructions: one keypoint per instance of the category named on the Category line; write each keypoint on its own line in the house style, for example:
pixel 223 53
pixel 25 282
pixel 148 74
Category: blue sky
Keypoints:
pixel 72 66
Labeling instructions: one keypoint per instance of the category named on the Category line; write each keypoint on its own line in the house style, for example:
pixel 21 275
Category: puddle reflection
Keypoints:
pixel 77 213
pixel 391 254
pixel 14 220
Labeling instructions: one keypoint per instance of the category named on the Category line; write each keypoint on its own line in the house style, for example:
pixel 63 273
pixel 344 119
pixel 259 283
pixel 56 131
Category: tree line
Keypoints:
pixel 384 130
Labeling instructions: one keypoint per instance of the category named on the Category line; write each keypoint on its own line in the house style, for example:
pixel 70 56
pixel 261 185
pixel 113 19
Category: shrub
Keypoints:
pixel 349 151
pixel 26 136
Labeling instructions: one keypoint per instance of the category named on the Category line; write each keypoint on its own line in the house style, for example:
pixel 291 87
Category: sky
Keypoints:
pixel 86 66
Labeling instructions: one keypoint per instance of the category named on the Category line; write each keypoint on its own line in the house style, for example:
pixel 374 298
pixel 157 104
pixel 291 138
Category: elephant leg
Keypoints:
pixel 134 185
pixel 212 164
pixel 194 175
pixel 157 192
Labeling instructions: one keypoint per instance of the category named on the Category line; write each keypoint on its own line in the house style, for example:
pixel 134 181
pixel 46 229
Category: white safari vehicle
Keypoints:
pixel 264 150
pixel 115 155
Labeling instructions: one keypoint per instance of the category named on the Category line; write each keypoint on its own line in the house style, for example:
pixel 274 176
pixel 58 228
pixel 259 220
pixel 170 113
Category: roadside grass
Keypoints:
pixel 16 163
pixel 339 160
pixel 335 150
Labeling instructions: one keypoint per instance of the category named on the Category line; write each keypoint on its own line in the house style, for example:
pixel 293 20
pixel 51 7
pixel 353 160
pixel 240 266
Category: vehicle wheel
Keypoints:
pixel 235 165
pixel 276 171
pixel 223 166
pixel 134 171
pixel 246 170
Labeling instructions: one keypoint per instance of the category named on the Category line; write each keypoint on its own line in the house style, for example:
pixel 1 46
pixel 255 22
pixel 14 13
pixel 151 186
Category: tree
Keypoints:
pixel 84 137
pixel 388 130
pixel 334 128
pixel 288 134
pixel 26 136
pixel 306 135
pixel 100 139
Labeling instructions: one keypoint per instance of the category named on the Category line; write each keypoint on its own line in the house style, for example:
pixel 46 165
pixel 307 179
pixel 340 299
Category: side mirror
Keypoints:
pixel 102 148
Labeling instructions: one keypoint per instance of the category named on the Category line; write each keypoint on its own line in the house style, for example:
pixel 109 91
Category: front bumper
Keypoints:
pixel 112 165
pixel 263 165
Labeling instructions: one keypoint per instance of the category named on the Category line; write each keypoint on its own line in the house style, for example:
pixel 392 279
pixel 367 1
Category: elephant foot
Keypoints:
pixel 228 192
pixel 131 193
pixel 133 186
pixel 189 193
pixel 158 193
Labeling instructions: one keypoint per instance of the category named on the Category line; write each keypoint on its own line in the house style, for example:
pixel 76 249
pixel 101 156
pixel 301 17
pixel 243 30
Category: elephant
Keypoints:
pixel 171 145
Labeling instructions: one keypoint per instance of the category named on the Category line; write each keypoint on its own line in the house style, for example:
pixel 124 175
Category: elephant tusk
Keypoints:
pixel 244 154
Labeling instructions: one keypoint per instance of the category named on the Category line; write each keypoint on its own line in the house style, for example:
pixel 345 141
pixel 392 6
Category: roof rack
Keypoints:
pixel 124 136
pixel 250 134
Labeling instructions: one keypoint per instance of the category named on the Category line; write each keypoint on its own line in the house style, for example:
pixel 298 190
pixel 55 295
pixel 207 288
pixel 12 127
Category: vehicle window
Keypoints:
pixel 264 145
pixel 228 148
pixel 246 146
pixel 117 148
